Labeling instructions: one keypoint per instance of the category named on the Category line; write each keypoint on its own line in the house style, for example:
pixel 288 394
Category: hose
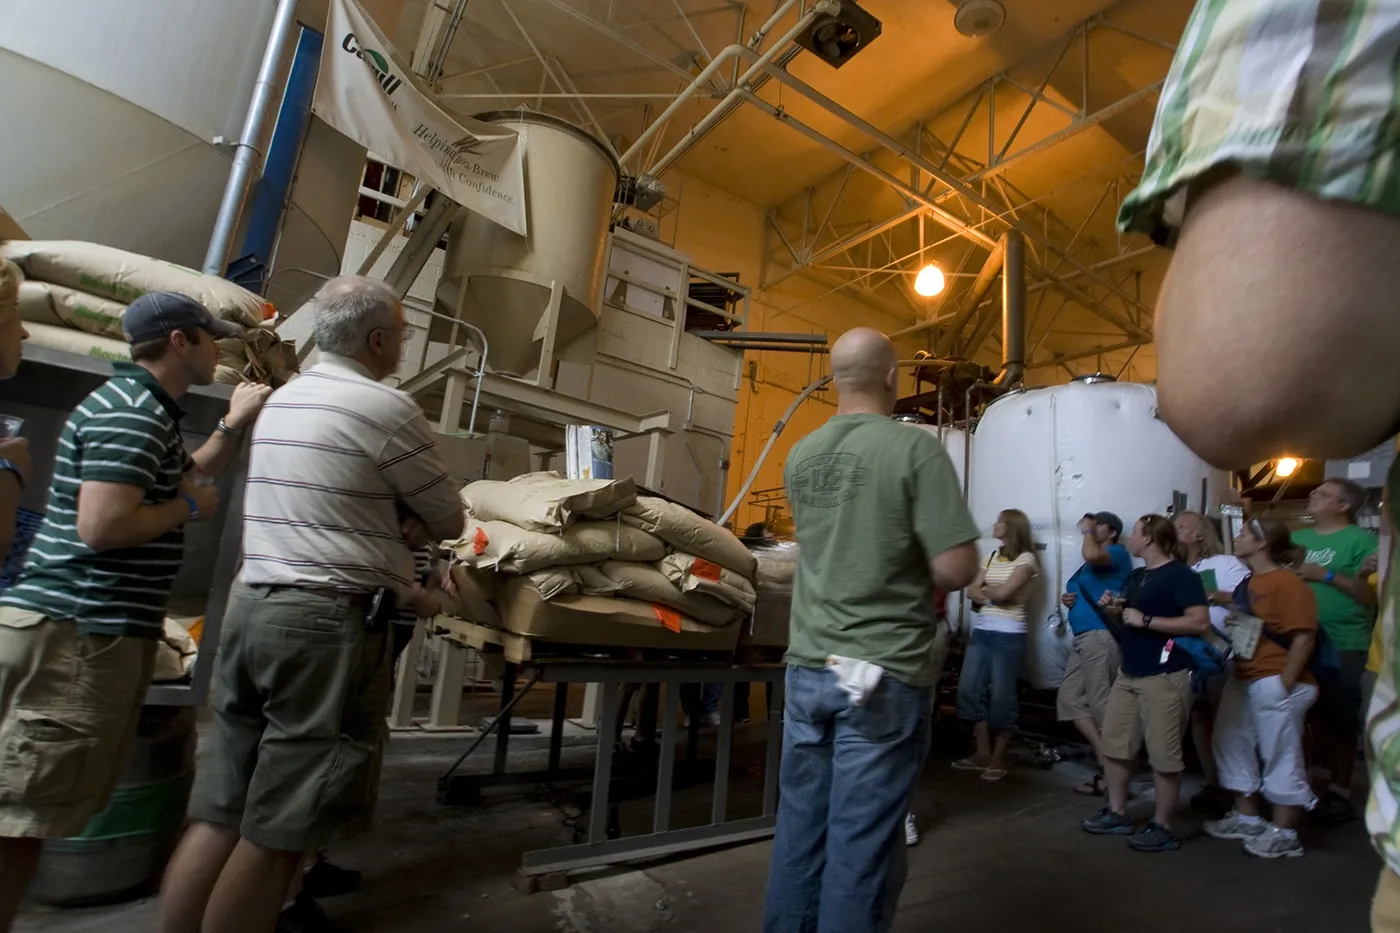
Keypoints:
pixel 772 439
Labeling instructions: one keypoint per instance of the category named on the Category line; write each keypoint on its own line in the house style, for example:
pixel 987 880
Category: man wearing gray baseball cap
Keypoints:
pixel 78 630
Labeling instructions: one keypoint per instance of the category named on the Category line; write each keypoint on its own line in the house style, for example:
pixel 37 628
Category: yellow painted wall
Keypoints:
pixel 721 233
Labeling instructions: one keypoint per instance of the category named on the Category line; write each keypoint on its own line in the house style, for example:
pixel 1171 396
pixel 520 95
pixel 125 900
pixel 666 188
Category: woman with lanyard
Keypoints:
pixel 987 682
pixel 1151 699
pixel 1265 702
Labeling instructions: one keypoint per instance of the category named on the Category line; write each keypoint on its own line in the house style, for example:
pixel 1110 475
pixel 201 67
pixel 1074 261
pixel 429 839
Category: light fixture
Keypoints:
pixel 1285 466
pixel 836 38
pixel 929 281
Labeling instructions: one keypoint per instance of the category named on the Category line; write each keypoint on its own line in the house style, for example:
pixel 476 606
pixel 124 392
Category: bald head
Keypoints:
pixel 863 363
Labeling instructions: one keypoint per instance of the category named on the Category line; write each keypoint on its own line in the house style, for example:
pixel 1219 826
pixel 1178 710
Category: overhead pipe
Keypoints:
pixel 245 150
pixel 1013 312
pixel 952 222
pixel 735 52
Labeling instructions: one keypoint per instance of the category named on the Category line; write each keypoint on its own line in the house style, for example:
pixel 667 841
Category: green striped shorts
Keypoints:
pixel 1303 93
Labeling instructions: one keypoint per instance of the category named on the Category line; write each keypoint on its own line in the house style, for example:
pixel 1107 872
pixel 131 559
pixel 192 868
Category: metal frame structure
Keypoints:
pixel 603 847
pixel 967 194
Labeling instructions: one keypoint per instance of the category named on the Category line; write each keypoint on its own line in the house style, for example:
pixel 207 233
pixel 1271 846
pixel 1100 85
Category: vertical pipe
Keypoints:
pixel 246 153
pixel 268 204
pixel 1013 311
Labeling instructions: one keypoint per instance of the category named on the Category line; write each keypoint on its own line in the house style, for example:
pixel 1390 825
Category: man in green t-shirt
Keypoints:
pixel 880 523
pixel 1346 609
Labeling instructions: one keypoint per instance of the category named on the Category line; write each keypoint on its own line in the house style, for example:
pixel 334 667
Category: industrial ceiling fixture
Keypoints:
pixel 978 18
pixel 835 38
pixel 929 281
pixel 1286 466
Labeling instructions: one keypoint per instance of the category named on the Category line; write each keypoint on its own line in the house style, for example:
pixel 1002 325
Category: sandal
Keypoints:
pixel 994 774
pixel 1094 787
pixel 968 764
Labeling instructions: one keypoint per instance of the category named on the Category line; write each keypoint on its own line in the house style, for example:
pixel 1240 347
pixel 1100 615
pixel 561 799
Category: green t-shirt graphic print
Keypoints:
pixel 872 502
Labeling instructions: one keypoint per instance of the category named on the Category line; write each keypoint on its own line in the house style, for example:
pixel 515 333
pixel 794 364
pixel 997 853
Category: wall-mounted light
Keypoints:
pixel 929 281
pixel 836 38
pixel 1286 466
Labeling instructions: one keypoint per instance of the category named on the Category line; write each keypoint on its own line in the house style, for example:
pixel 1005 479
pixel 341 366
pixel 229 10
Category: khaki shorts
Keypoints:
pixel 1152 709
pixel 69 707
pixel 1385 906
pixel 299 718
pixel 1093 665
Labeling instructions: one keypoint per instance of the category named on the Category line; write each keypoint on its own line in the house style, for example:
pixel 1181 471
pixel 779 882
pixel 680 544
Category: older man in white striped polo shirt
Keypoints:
pixel 344 479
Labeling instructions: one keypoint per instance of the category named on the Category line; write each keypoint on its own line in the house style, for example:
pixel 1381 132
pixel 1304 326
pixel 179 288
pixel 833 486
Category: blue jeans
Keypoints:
pixel 987 684
pixel 847 775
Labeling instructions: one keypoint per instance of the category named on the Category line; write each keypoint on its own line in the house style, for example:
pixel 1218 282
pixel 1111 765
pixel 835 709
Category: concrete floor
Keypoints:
pixel 994 858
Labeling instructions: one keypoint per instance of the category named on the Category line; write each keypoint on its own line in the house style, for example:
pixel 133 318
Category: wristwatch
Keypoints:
pixel 1146 622
pixel 1329 577
pixel 223 428
pixel 9 466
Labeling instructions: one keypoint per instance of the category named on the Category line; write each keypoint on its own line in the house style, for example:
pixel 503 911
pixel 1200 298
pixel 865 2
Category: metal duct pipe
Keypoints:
pixel 731 100
pixel 955 184
pixel 952 222
pixel 1013 312
pixel 246 152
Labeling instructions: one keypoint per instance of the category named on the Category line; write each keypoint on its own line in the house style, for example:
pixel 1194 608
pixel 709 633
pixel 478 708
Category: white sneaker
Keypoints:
pixel 911 831
pixel 711 719
pixel 1275 843
pixel 1234 826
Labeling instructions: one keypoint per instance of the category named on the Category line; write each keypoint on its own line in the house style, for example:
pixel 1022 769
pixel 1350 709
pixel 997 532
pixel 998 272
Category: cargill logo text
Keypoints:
pixel 375 60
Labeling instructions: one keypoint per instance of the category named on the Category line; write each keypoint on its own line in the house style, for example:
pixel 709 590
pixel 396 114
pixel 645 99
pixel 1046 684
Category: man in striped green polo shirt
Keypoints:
pixel 78 630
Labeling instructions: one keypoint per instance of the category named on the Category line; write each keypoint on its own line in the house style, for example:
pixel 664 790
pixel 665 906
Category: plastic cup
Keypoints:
pixel 10 426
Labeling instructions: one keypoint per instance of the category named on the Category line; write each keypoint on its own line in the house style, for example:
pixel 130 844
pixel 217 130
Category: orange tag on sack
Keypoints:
pixel 705 570
pixel 479 542
pixel 667 617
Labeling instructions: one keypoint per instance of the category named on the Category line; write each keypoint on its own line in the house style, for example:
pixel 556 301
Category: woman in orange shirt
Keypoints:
pixel 1262 709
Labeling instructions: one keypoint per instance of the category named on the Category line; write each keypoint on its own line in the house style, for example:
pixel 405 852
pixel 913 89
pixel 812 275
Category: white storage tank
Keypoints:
pixel 570 180
pixel 1058 453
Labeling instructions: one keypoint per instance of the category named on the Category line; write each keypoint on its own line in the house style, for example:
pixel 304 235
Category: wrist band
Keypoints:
pixel 9 466
pixel 223 428
pixel 189 501
pixel 1329 577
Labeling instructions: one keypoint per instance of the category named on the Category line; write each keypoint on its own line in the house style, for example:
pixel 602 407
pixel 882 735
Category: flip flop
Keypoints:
pixel 994 774
pixel 968 764
pixel 1094 787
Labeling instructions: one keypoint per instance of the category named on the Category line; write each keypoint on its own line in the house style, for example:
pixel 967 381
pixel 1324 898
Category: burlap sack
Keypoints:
pixel 777 567
pixel 556 581
pixel 123 277
pixel 697 575
pixel 593 582
pixel 77 341
pixel 60 306
pixel 686 531
pixel 175 654
pixel 510 549
pixel 473 597
pixel 547 501
pixel 645 582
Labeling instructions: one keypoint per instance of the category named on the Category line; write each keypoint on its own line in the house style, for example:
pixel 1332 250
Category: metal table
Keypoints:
pixel 614 675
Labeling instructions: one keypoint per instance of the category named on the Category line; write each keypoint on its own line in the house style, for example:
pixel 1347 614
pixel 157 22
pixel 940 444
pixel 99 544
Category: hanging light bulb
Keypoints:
pixel 1286 466
pixel 929 281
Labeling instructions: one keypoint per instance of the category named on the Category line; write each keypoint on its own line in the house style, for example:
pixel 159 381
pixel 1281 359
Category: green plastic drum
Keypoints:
pixel 123 851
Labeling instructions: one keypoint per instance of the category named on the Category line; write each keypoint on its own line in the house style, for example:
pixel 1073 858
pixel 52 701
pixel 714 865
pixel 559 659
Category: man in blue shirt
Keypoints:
pixel 1094 659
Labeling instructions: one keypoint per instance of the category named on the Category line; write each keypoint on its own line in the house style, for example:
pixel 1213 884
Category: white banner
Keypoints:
pixel 366 91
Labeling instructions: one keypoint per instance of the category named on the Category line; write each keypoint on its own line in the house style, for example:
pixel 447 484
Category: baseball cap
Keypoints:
pixel 1109 519
pixel 157 315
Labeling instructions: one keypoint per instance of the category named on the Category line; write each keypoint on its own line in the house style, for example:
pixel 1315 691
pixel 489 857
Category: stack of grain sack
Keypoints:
pixel 563 537
pixel 75 293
